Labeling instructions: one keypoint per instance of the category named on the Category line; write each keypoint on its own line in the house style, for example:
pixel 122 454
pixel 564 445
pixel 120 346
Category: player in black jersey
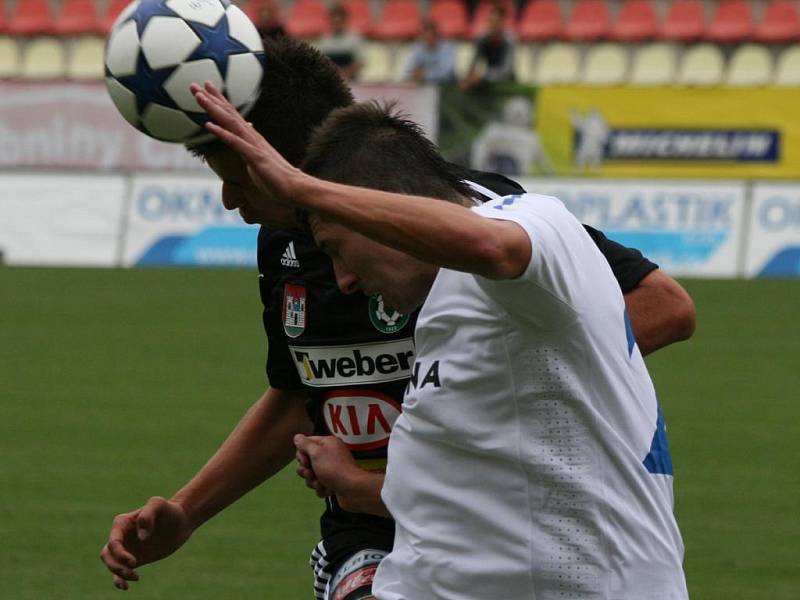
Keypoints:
pixel 337 364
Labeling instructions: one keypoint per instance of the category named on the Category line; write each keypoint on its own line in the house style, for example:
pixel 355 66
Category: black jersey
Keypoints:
pixel 353 353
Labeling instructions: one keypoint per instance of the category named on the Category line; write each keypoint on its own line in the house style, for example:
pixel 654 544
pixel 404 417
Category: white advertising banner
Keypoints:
pixel 75 125
pixel 181 221
pixel 60 219
pixel 689 228
pixel 773 248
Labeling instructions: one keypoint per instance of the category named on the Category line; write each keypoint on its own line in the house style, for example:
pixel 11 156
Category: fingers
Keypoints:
pixel 212 89
pixel 120 554
pixel 303 459
pixel 306 443
pixel 233 141
pixel 146 521
pixel 120 571
pixel 222 111
pixel 227 123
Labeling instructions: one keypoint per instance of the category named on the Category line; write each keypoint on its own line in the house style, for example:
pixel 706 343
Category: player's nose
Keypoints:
pixel 232 197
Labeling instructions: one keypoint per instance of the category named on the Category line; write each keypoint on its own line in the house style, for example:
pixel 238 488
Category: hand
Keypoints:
pixel 144 536
pixel 270 172
pixel 328 467
pixel 306 471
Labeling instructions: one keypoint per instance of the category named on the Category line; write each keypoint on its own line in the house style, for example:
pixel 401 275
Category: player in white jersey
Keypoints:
pixel 531 460
pixel 530 454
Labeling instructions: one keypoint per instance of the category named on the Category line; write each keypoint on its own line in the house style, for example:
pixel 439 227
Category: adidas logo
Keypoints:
pixel 289 258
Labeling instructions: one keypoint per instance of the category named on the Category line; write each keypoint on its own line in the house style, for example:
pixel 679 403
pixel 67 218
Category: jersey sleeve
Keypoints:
pixel 281 372
pixel 628 264
pixel 563 259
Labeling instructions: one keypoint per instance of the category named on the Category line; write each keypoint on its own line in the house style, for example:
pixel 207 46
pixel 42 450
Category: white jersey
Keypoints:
pixel 530 460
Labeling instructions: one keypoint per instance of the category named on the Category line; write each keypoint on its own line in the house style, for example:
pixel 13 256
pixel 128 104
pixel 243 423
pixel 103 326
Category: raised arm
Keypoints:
pixel 434 231
pixel 259 446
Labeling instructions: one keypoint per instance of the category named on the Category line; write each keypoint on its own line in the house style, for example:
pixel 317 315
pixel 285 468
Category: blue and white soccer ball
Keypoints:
pixel 157 48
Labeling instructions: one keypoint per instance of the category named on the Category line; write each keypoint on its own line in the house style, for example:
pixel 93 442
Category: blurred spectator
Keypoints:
pixel 342 46
pixel 432 59
pixel 270 23
pixel 494 53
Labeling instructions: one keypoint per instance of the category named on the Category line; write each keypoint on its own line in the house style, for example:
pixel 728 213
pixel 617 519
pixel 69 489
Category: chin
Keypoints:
pixel 406 306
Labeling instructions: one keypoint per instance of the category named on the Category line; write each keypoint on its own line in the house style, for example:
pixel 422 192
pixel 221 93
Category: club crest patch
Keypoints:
pixel 294 310
pixel 384 317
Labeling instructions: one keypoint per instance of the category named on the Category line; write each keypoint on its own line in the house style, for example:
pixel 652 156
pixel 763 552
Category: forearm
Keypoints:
pixel 363 495
pixel 434 231
pixel 661 312
pixel 259 446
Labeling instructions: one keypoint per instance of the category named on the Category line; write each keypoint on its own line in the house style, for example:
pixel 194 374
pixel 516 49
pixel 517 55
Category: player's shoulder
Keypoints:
pixel 276 245
pixel 528 202
pixel 494 185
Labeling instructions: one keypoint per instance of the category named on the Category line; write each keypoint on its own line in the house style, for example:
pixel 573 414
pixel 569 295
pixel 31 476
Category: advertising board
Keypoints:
pixel 671 132
pixel 689 228
pixel 181 221
pixel 773 246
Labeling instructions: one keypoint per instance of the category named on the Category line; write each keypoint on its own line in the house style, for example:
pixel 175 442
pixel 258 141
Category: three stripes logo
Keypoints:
pixel 289 258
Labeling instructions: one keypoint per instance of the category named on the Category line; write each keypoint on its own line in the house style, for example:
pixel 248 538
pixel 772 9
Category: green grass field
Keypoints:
pixel 117 384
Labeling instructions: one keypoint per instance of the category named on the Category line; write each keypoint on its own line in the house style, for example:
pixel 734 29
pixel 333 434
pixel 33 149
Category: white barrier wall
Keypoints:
pixel 690 228
pixel 60 219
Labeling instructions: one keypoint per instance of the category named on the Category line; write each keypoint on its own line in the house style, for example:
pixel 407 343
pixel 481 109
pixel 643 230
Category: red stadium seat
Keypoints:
pixel 589 21
pixel 636 22
pixel 3 20
pixel 359 15
pixel 77 17
pixel 781 23
pixel 451 18
pixel 541 20
pixel 307 19
pixel 31 17
pixel 401 20
pixel 733 22
pixel 484 9
pixel 685 21
pixel 253 10
pixel 112 12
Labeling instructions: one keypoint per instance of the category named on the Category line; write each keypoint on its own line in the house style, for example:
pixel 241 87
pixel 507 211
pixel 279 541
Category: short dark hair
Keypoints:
pixel 339 11
pixel 374 145
pixel 498 9
pixel 300 88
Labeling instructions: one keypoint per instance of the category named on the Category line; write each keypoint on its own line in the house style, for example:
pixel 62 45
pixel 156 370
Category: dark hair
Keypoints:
pixel 339 11
pixel 498 9
pixel 299 89
pixel 373 145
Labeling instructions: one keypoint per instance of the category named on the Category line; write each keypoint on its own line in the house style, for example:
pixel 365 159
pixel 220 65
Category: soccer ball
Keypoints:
pixel 157 48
